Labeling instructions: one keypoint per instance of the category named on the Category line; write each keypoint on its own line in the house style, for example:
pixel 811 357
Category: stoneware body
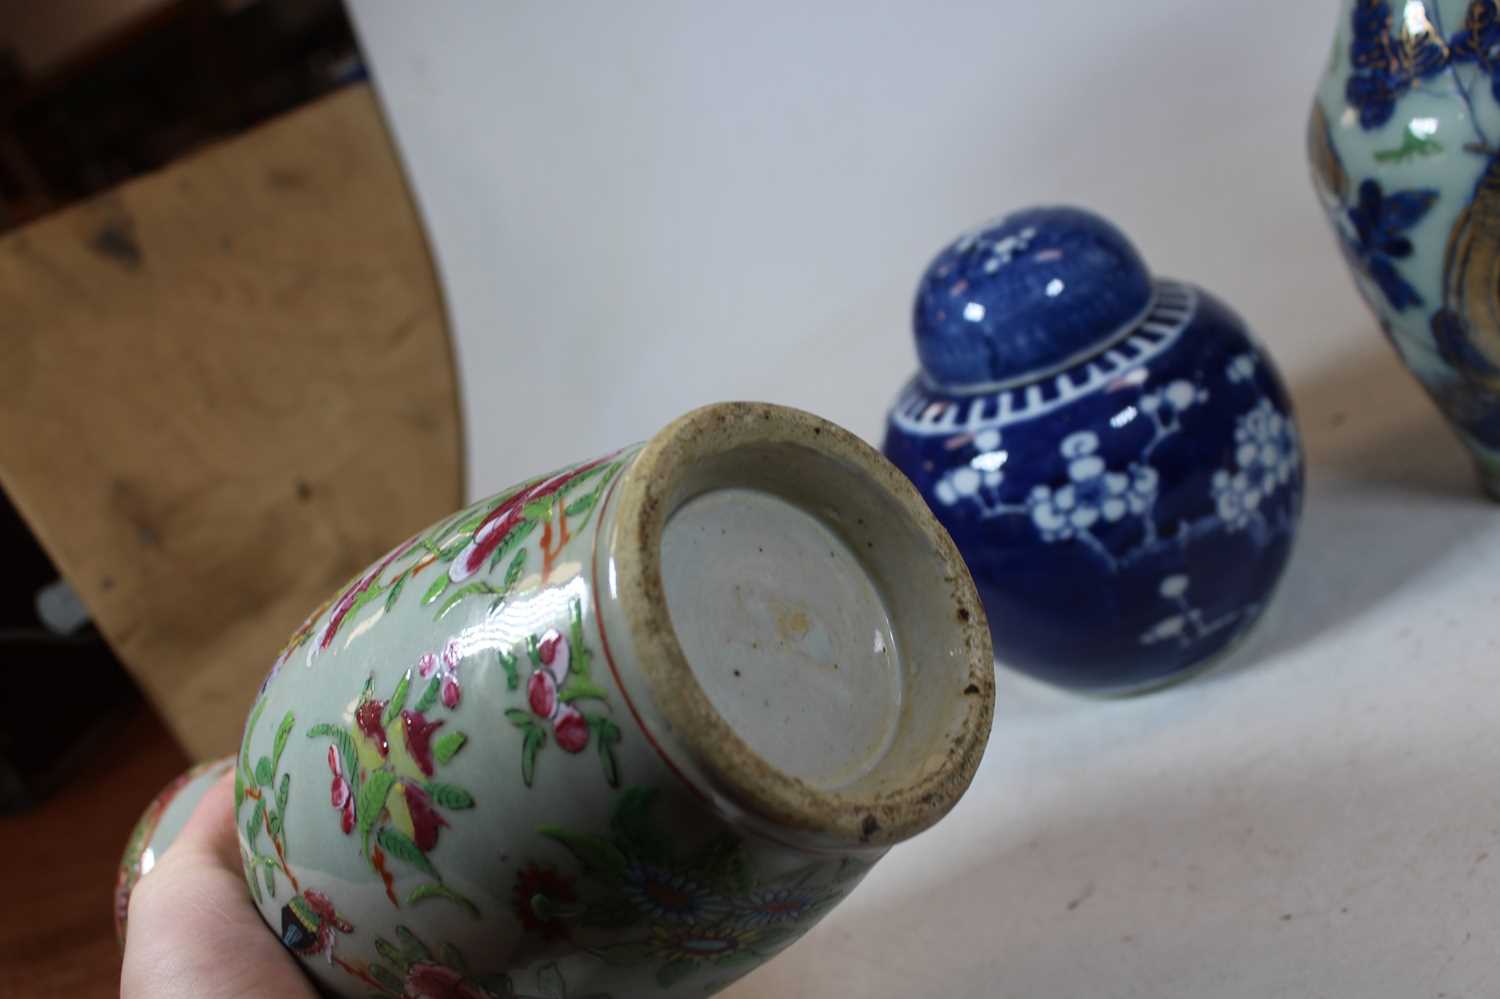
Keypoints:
pixel 1404 137
pixel 625 730
pixel 1113 454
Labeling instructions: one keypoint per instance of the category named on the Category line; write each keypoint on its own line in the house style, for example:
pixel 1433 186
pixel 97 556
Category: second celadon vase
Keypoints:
pixel 1404 140
pixel 625 730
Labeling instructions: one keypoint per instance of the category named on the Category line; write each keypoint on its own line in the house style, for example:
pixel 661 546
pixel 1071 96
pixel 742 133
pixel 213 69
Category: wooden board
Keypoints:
pixel 224 389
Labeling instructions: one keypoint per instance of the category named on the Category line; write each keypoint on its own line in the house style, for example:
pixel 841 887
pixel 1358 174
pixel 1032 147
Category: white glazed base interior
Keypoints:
pixel 786 631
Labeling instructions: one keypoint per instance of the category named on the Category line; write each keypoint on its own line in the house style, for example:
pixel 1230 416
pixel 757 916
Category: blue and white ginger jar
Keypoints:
pixel 1115 456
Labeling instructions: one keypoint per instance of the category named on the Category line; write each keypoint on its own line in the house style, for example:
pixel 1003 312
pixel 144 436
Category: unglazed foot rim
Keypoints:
pixel 898 800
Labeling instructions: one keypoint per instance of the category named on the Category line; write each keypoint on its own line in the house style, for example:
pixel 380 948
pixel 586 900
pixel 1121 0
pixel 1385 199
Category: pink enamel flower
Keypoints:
pixel 429 980
pixel 570 729
pixel 506 517
pixel 446 668
pixel 569 726
pixel 339 794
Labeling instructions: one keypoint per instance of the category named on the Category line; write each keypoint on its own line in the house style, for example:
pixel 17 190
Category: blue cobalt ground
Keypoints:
pixel 1115 457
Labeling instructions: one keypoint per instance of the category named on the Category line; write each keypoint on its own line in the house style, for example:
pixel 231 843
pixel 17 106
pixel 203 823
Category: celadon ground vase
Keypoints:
pixel 1404 138
pixel 629 729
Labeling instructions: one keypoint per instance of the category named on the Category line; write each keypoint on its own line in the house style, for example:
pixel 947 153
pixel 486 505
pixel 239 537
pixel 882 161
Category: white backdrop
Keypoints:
pixel 640 207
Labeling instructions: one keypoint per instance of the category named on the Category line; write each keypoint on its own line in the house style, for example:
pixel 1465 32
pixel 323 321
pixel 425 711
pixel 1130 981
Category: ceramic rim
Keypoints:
pixel 906 801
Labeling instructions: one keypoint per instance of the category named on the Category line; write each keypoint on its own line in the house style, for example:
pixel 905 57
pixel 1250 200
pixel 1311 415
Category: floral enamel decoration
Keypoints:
pixel 1375 239
pixel 431 795
pixel 690 907
pixel 409 969
pixel 269 790
pixel 1405 152
pixel 560 679
pixel 386 789
pixel 480 551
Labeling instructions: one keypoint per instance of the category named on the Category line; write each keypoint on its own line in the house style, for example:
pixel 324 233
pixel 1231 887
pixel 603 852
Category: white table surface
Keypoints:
pixel 637 208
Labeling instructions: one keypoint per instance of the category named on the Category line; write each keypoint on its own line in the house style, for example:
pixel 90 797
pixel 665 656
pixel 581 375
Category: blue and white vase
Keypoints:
pixel 1114 455
pixel 1404 140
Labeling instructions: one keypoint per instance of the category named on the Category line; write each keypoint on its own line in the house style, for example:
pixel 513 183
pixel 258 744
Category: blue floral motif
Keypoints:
pixel 668 895
pixel 1374 237
pixel 1479 42
pixel 1385 66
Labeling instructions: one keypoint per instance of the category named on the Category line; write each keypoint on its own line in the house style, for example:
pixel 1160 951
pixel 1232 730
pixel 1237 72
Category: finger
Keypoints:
pixel 210 829
pixel 193 930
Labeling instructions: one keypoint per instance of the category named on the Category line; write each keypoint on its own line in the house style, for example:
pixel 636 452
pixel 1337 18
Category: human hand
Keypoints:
pixel 192 930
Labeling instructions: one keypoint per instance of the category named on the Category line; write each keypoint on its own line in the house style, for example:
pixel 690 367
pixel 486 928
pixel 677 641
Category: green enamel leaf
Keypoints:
pixel 581 478
pixel 512 676
pixel 582 658
pixel 596 854
pixel 239 790
pixel 253 878
pixel 275 824
pixel 518 717
pixel 394 592
pixel 579 686
pixel 631 823
pixel 450 795
pixel 398 698
pixel 283 732
pixel 391 954
pixel 270 874
pixel 260 706
pixel 721 862
pixel 435 590
pixel 447 745
pixel 451 550
pixel 582 504
pixel 517 566
pixel 436 889
pixel 673 972
pixel 371 803
pixel 412 947
pixel 607 734
pixel 538 510
pixel 454 958
pixel 1411 145
pixel 402 848
pixel 387 979
pixel 531 744
pixel 517 536
pixel 348 761
pixel 264 772
pixel 429 696
pixel 252 824
pixel 467 590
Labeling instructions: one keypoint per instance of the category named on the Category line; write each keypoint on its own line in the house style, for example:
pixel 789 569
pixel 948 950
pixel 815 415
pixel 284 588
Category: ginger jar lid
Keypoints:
pixel 1026 295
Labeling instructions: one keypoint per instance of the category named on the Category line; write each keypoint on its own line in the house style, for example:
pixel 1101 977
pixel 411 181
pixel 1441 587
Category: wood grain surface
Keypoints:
pixel 224 389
